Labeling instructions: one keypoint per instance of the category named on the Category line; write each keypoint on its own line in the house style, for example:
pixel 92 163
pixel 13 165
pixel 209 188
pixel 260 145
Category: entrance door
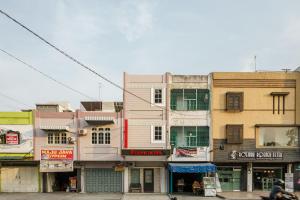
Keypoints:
pixel 236 179
pixel 148 180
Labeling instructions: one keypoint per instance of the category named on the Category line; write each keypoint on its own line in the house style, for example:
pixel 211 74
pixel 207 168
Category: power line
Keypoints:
pixel 14 100
pixel 83 65
pixel 44 74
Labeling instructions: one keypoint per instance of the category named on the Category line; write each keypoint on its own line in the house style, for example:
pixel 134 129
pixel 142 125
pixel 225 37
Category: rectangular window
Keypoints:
pixel 235 101
pixel 50 138
pixel 56 138
pixel 63 138
pixel 94 138
pixel 158 96
pixel 234 134
pixel 189 136
pixel 189 99
pixel 278 137
pixel 158 133
pixel 135 176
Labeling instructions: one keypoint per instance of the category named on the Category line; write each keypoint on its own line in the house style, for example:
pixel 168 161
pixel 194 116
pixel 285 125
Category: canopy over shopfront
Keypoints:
pixel 188 169
pixel 192 167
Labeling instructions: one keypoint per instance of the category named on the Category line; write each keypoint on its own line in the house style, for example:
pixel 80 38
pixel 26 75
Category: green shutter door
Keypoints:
pixel 103 180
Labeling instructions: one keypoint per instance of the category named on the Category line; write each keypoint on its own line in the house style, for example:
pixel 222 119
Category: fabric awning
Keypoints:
pixel 192 167
pixel 99 119
pixel 54 128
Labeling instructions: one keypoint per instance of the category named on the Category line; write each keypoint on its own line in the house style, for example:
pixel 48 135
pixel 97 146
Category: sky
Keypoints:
pixel 138 37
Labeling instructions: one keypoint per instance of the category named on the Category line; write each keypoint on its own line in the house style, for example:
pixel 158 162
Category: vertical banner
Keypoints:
pixel 289 182
pixel 125 133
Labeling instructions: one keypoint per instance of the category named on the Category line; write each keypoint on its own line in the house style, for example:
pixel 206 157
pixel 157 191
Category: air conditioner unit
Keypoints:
pixel 82 132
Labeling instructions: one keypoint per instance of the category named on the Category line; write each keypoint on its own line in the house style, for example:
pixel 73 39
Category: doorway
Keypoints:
pixel 264 178
pixel 148 180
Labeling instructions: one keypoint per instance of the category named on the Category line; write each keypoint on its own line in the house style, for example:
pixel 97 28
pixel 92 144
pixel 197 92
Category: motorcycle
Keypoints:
pixel 284 197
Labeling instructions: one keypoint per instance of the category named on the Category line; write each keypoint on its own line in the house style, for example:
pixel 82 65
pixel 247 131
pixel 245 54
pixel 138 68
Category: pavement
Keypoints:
pixel 255 195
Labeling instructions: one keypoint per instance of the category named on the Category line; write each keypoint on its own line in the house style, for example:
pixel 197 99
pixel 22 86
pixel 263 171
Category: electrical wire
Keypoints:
pixel 83 65
pixel 14 100
pixel 47 76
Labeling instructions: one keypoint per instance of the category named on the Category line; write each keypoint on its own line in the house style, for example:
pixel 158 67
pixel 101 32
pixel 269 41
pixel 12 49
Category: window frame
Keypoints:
pixel 241 133
pixel 102 135
pixel 163 134
pixel 61 136
pixel 232 108
pixel 200 102
pixel 163 96
pixel 276 147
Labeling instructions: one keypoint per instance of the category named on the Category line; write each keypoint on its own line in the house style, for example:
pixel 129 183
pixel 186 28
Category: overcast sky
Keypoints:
pixel 152 37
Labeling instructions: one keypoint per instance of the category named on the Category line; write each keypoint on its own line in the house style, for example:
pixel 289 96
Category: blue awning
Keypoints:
pixel 192 167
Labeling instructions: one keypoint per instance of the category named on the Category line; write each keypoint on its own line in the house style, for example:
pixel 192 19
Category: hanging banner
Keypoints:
pixel 57 154
pixel 186 152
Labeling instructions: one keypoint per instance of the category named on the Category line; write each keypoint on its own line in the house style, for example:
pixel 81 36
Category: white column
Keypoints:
pixel 162 180
pixel 289 168
pixel 125 181
pixel 249 177
pixel 82 180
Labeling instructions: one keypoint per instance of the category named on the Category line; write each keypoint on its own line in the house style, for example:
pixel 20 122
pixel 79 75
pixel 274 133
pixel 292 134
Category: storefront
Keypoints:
pixel 230 177
pixel 184 176
pixel 58 170
pixel 145 170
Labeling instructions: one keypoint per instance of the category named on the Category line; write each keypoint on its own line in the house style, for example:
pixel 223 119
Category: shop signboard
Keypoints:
pixel 255 155
pixel 289 182
pixel 16 139
pixel 59 154
pixel 56 166
pixel 12 137
pixel 145 152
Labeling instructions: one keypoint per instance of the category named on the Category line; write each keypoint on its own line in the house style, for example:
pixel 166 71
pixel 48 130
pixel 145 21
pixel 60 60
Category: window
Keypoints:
pixel 64 138
pixel 157 133
pixel 158 96
pixel 135 175
pixel 189 136
pixel 57 138
pixel 279 95
pixel 101 136
pixel 189 99
pixel 50 138
pixel 107 136
pixel 234 134
pixel 235 101
pixel 278 137
pixel 94 138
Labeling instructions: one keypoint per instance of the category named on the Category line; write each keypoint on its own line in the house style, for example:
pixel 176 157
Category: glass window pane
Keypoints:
pixel 56 138
pixel 94 138
pixel 191 136
pixel 100 138
pixel 202 136
pixel 50 138
pixel 64 138
pixel 190 94
pixel 176 99
pixel 135 175
pixel 202 99
pixel 107 138
pixel 278 136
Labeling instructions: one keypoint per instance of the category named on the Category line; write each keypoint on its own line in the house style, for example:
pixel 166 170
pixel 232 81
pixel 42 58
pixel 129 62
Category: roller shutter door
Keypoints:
pixel 19 179
pixel 103 180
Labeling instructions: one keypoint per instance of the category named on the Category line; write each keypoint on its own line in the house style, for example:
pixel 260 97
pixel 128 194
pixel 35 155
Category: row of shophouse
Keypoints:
pixel 241 128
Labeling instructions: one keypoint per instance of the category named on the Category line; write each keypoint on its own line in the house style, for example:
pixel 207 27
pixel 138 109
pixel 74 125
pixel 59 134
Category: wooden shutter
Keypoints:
pixel 234 134
pixel 235 101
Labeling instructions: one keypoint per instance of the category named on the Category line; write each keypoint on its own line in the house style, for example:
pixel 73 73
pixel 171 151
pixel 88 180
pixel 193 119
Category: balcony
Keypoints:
pixel 190 154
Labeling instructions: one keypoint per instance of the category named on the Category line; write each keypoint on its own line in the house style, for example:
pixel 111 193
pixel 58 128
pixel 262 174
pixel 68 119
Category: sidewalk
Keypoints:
pixel 145 196
pixel 245 195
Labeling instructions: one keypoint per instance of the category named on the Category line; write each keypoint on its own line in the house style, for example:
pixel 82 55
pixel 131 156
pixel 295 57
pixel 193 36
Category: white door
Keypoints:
pixel 19 179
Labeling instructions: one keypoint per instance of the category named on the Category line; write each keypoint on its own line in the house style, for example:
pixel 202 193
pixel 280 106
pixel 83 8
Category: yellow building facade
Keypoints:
pixel 255 128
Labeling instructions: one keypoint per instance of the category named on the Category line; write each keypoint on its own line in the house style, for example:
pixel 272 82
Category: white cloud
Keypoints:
pixel 134 18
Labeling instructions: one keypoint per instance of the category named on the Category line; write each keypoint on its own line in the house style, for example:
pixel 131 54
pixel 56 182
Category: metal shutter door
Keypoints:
pixel 103 180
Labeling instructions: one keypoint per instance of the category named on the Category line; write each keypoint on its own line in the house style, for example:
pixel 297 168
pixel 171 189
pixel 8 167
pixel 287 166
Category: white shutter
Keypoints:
pixel 164 96
pixel 152 96
pixel 163 132
pixel 152 133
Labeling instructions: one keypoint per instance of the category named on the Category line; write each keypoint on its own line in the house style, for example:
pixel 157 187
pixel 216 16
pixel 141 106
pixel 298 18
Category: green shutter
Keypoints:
pixel 176 96
pixel 174 136
pixel 202 136
pixel 202 99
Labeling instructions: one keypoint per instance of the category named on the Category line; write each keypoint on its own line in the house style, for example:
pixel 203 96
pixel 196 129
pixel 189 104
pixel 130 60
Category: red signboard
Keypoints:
pixel 145 152
pixel 12 138
pixel 56 154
